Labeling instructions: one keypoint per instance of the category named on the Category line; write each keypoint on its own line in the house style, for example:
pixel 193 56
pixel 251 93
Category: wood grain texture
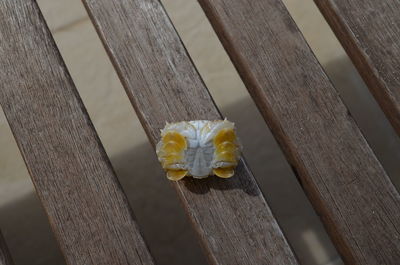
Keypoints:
pixel 347 185
pixel 86 206
pixel 369 30
pixel 231 216
pixel 5 257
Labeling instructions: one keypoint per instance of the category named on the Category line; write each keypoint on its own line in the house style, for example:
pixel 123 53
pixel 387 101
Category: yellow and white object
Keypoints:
pixel 199 149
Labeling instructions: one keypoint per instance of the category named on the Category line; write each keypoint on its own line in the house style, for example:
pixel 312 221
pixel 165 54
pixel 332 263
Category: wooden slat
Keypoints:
pixel 369 30
pixel 231 216
pixel 5 257
pixel 73 177
pixel 345 182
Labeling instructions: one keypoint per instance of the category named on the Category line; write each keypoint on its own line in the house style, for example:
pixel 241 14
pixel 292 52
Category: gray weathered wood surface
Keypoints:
pixel 369 30
pixel 231 216
pixel 347 185
pixel 86 206
pixel 5 257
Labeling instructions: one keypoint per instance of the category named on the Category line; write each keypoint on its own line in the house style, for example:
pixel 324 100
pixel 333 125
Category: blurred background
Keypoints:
pixel 152 198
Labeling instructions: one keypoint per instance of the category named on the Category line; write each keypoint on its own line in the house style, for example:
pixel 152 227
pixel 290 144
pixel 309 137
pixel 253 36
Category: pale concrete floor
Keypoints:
pixel 163 222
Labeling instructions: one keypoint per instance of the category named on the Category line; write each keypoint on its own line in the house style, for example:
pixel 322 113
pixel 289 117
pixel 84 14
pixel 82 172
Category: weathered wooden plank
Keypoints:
pixel 231 217
pixel 5 257
pixel 345 182
pixel 369 30
pixel 87 208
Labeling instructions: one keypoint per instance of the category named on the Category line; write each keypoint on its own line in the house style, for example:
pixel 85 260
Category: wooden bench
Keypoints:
pixel 73 177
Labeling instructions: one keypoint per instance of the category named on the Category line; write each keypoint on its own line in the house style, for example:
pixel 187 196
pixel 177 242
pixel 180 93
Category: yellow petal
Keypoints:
pixel 226 147
pixel 171 158
pixel 226 156
pixel 176 174
pixel 175 137
pixel 225 135
pixel 224 172
pixel 172 147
